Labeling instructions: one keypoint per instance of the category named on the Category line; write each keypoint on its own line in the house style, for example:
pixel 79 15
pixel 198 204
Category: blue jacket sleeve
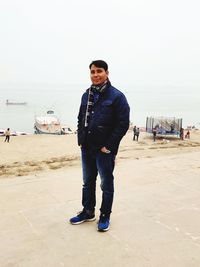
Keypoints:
pixel 121 124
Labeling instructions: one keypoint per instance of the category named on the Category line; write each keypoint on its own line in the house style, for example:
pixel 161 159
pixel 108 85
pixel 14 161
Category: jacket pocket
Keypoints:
pixel 106 107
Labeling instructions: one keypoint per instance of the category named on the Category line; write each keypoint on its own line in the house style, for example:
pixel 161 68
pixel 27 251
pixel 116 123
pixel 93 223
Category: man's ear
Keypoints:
pixel 107 72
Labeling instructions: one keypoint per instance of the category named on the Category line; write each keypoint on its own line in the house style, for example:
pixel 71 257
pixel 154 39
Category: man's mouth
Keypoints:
pixel 97 80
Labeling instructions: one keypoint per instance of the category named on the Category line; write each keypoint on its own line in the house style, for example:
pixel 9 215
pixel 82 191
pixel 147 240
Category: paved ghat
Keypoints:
pixel 155 220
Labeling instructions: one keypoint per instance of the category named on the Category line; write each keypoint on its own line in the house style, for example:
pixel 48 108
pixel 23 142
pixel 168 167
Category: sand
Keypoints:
pixel 33 153
pixel 156 215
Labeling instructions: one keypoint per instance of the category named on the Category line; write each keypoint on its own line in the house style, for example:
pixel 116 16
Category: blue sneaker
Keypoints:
pixel 104 223
pixel 81 217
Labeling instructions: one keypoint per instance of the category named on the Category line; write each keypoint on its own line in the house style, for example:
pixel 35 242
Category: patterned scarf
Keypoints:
pixel 94 89
pixel 99 88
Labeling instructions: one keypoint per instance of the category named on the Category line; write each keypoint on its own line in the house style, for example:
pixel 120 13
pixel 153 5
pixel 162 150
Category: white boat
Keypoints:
pixel 47 124
pixel 2 133
pixel 15 103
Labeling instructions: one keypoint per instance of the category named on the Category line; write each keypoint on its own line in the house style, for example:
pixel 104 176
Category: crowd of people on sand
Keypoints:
pixel 136 133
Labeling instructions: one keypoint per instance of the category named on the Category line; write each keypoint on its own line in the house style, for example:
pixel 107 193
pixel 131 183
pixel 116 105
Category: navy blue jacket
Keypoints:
pixel 108 122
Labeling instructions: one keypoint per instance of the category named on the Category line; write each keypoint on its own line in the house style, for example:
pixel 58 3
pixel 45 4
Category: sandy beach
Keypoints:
pixel 32 153
pixel 156 214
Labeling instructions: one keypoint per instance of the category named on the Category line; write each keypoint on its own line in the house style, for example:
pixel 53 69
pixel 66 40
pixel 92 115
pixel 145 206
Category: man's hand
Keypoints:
pixel 105 150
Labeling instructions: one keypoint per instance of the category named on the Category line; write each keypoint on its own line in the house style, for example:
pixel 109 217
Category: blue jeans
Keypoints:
pixel 92 164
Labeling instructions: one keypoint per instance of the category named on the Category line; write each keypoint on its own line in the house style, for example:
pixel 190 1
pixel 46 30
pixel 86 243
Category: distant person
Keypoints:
pixel 154 134
pixel 182 134
pixel 137 133
pixel 134 133
pixel 187 135
pixel 102 122
pixel 7 135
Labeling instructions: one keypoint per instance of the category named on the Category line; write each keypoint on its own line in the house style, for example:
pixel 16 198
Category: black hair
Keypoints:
pixel 99 64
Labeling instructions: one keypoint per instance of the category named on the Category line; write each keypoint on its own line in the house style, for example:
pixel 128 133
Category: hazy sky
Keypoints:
pixel 145 42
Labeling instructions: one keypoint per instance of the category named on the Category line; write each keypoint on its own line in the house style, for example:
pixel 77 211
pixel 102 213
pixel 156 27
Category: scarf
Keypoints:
pixel 90 103
pixel 99 88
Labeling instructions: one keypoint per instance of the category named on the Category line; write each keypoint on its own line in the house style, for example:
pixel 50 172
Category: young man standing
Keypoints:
pixel 102 122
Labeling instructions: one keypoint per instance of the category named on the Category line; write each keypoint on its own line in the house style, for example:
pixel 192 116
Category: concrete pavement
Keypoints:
pixel 155 220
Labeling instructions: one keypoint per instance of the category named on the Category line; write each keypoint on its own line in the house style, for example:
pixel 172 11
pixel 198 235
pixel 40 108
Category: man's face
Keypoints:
pixel 98 75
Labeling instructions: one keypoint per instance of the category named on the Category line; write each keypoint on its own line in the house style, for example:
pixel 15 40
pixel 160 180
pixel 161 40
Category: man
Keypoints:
pixel 182 133
pixel 134 133
pixel 102 122
pixel 154 134
pixel 7 135
pixel 137 133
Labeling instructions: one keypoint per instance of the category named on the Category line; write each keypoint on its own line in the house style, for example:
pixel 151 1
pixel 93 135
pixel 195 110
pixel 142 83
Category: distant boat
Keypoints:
pixel 66 130
pixel 47 124
pixel 2 133
pixel 15 103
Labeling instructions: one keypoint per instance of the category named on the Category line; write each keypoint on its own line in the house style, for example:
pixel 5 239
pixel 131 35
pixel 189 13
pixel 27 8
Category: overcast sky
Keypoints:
pixel 145 42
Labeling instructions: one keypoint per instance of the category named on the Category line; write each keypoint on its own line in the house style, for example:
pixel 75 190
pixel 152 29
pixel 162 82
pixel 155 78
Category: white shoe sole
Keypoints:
pixel 103 230
pixel 88 220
